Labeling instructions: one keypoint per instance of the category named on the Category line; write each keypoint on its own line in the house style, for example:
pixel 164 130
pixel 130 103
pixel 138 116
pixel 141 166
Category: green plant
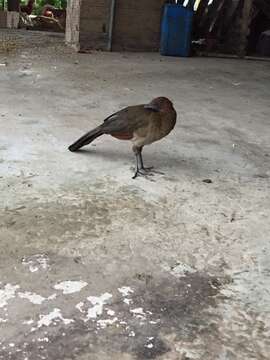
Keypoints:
pixel 62 4
pixel 2 4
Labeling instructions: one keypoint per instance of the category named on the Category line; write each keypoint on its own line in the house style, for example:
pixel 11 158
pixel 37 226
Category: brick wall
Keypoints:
pixel 136 24
pixel 94 24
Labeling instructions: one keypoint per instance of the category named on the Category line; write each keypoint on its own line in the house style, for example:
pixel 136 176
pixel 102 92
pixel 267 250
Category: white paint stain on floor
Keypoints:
pixel 52 318
pixel 52 297
pixel 139 313
pixel 32 297
pixel 45 339
pixel 107 322
pixel 101 311
pixel 110 312
pixel 36 262
pixel 67 287
pixel 128 301
pixel 80 306
pixel 98 303
pixel 70 287
pixel 7 293
pixel 150 344
pixel 180 270
pixel 125 290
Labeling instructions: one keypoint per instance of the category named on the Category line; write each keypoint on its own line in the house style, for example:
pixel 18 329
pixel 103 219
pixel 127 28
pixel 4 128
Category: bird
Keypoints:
pixel 28 8
pixel 141 124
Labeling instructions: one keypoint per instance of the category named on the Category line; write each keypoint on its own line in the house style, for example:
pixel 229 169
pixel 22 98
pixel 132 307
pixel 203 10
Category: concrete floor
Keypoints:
pixel 95 265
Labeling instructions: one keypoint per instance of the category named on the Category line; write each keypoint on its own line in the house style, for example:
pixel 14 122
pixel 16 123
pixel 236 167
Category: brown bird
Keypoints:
pixel 141 124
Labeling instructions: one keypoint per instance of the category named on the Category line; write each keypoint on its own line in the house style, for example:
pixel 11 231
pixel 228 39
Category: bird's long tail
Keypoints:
pixel 86 139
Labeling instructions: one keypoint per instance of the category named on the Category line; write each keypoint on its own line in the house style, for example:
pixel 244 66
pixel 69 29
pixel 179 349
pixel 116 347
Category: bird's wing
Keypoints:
pixel 127 120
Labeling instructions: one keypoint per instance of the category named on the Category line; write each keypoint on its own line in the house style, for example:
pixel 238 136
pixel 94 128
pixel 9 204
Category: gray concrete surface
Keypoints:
pixel 95 265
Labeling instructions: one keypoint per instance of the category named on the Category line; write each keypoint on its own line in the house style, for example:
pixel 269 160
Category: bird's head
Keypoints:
pixel 160 104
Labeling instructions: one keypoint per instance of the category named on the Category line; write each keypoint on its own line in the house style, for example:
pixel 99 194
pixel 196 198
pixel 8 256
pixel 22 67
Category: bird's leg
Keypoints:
pixel 140 165
pixel 140 169
pixel 139 161
pixel 146 170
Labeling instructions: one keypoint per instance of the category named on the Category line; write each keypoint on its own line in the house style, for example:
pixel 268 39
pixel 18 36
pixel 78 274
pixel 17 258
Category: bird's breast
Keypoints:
pixel 157 128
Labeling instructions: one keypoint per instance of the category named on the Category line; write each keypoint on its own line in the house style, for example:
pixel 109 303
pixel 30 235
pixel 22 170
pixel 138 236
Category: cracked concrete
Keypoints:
pixel 95 265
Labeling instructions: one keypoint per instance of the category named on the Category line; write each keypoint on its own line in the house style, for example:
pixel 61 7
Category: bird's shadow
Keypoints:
pixel 106 154
pixel 162 160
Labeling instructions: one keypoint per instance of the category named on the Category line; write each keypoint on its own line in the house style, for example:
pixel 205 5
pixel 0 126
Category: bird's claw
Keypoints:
pixel 142 173
pixel 152 171
pixel 146 172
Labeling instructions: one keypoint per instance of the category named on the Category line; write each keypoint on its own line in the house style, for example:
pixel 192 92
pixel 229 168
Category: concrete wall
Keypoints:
pixel 136 24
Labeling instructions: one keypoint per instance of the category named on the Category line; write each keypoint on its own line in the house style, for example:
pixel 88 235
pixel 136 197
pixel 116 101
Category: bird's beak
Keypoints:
pixel 151 107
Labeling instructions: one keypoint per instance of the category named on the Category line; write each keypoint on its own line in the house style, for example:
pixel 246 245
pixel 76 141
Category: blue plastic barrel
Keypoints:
pixel 176 30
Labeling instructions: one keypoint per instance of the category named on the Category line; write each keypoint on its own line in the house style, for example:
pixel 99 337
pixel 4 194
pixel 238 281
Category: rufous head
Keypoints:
pixel 160 104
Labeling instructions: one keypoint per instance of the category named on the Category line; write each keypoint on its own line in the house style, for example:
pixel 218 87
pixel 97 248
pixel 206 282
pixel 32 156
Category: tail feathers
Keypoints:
pixel 86 139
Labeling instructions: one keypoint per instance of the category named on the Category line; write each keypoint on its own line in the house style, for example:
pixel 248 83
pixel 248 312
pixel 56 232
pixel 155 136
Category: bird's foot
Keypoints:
pixel 143 173
pixel 146 172
pixel 152 171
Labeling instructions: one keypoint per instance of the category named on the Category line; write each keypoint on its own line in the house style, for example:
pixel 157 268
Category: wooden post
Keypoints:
pixel 14 5
pixel 244 27
pixel 73 23
pixel 111 23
